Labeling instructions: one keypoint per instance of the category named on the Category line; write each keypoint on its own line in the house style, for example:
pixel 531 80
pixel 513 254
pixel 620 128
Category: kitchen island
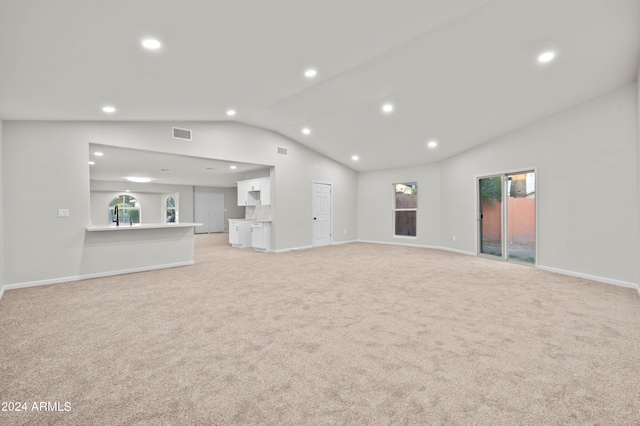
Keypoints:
pixel 112 249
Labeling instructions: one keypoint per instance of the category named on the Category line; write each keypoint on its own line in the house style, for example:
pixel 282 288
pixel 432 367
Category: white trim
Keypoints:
pixel 292 249
pixel 618 283
pixel 90 276
pixel 604 280
pixel 337 243
pixel 468 253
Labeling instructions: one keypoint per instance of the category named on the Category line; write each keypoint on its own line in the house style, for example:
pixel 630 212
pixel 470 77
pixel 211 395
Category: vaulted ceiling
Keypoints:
pixel 456 72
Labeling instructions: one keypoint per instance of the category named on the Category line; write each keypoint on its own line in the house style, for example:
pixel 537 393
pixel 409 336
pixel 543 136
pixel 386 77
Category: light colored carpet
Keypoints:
pixel 355 334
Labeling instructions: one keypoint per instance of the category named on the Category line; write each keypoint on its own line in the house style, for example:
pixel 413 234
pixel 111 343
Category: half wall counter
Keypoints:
pixel 111 249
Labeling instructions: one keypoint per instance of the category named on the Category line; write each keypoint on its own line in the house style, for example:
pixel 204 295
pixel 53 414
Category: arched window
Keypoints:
pixel 170 207
pixel 128 209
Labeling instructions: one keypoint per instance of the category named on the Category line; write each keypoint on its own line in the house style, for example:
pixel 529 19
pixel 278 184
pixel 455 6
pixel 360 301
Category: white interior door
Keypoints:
pixel 208 210
pixel 321 214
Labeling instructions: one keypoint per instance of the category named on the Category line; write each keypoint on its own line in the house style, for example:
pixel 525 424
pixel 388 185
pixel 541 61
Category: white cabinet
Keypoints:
pixel 254 184
pixel 265 191
pixel 254 192
pixel 261 236
pixel 240 233
pixel 243 192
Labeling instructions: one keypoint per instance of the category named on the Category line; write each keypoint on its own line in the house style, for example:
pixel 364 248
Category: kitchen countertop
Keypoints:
pixel 127 227
pixel 250 220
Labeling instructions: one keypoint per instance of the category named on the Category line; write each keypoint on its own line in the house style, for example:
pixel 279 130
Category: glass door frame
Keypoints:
pixel 505 218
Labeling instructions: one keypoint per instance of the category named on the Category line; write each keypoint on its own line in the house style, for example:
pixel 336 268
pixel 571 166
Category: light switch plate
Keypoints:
pixel 63 212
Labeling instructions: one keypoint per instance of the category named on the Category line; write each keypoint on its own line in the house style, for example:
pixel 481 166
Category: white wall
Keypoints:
pixel 588 190
pixel 46 163
pixel 2 239
pixel 587 187
pixel 375 202
pixel 638 169
pixel 231 208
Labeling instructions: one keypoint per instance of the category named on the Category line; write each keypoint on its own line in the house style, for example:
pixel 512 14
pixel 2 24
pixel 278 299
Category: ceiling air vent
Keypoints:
pixel 283 150
pixel 184 134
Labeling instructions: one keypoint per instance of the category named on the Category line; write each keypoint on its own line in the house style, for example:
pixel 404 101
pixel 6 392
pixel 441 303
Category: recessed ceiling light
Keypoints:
pixel 387 108
pixel 108 109
pixel 92 163
pixel 233 167
pixel 355 158
pixel 306 131
pixel 151 44
pixel 231 112
pixel 138 179
pixel 310 73
pixel 546 57
pixel 432 144
pixel 98 154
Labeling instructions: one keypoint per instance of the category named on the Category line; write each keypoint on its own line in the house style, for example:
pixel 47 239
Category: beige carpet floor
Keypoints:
pixel 355 334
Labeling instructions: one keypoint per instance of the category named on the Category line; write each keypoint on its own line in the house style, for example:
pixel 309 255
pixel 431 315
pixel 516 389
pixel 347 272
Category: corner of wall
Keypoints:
pixel 638 165
pixel 1 214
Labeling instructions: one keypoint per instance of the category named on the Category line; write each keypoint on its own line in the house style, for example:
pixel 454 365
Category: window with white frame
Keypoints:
pixel 128 209
pixel 170 208
pixel 405 209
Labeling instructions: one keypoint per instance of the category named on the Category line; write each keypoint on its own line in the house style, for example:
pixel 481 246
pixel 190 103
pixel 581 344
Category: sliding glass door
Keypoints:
pixel 521 217
pixel 491 215
pixel 506 216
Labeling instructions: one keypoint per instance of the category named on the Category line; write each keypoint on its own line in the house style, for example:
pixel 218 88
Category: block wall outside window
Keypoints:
pixel 405 209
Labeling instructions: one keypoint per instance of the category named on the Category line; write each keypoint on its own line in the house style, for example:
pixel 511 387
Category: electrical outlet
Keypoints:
pixel 345 231
pixel 63 212
pixel 454 238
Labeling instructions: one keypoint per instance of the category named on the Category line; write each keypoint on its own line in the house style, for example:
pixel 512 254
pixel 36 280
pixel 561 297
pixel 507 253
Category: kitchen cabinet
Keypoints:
pixel 261 235
pixel 240 233
pixel 243 192
pixel 254 192
pixel 254 184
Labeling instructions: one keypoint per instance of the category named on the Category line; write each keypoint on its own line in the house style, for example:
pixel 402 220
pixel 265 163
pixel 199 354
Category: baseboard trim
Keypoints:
pixel 468 253
pixel 337 243
pixel 90 276
pixel 604 280
pixel 292 249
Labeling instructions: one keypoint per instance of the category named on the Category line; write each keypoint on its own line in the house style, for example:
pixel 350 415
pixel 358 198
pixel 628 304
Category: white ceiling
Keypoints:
pixel 115 164
pixel 460 72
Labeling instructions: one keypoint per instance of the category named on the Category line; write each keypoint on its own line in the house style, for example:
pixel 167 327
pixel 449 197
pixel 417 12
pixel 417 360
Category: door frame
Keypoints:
pixel 505 224
pixel 313 228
